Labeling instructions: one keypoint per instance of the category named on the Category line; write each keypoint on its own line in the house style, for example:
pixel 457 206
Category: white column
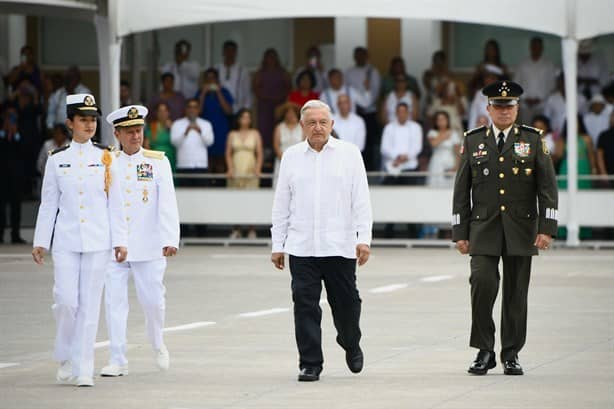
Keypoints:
pixel 419 40
pixel 136 63
pixel 570 67
pixel 350 32
pixel 16 38
pixel 109 55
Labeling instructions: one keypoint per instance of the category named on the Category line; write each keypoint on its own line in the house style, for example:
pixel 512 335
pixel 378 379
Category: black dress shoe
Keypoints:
pixel 355 360
pixel 309 375
pixel 484 361
pixel 512 367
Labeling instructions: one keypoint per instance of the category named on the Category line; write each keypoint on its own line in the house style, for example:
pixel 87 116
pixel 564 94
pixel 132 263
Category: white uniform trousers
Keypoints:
pixel 148 279
pixel 77 290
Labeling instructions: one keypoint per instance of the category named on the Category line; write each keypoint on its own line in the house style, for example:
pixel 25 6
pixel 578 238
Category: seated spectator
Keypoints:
pixel 336 87
pixel 235 77
pixel 349 126
pixel 304 89
pixel 401 145
pixel 271 87
pixel 397 67
pixel 313 64
pixel 542 122
pixel 435 75
pixel 158 134
pixel 593 73
pixel 26 70
pixel 480 101
pixel 492 55
pixel 597 118
pixel 555 107
pixel 185 71
pixel 451 100
pixel 59 138
pixel 174 100
pixel 191 137
pixel 56 111
pixel 12 169
pixel 287 133
pixel 216 105
pixel 400 93
pixel 605 152
pixel 537 76
pixel 244 159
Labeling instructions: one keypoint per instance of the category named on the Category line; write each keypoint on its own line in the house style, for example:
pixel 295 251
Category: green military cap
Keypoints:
pixel 503 93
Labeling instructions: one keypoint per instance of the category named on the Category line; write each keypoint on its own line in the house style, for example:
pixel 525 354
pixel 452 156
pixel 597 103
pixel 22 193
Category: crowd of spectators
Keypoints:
pixel 227 121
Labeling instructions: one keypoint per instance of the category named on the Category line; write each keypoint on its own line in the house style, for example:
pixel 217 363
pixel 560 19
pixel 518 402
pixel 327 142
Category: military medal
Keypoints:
pixel 485 171
pixel 515 170
pixel 145 195
pixel 528 171
pixel 522 149
pixel 481 146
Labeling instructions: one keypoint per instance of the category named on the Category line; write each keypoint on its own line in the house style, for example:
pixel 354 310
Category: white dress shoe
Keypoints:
pixel 114 370
pixel 84 381
pixel 163 359
pixel 64 374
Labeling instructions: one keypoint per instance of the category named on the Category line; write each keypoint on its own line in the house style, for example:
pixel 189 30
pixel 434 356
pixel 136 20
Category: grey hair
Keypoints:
pixel 315 104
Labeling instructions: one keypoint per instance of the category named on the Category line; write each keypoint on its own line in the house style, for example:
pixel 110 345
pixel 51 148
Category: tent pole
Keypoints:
pixel 570 64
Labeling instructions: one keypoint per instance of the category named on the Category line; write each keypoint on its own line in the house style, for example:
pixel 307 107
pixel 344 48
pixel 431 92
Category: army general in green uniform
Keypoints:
pixel 505 207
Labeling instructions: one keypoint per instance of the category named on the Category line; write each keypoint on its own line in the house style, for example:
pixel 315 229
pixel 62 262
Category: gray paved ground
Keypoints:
pixel 415 328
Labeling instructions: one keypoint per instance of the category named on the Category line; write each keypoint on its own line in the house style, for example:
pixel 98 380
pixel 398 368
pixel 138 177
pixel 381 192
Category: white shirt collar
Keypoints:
pixel 497 131
pixel 330 143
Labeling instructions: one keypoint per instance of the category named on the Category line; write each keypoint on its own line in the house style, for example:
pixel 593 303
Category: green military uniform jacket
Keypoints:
pixel 504 198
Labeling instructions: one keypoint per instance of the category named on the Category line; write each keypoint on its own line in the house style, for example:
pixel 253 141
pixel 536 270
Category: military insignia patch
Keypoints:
pixel 133 113
pixel 545 147
pixel 522 149
pixel 515 170
pixel 481 146
pixel 144 172
pixel 486 172
pixel 88 101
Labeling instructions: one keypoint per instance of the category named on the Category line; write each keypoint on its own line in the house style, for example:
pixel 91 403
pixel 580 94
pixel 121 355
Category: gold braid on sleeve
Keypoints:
pixel 107 159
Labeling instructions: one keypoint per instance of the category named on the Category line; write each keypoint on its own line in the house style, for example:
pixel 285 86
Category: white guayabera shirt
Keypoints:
pixel 322 206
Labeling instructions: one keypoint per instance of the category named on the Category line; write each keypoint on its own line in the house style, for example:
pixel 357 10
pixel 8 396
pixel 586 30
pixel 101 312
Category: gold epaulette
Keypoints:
pixel 110 148
pixel 56 150
pixel 153 154
pixel 474 130
pixel 531 129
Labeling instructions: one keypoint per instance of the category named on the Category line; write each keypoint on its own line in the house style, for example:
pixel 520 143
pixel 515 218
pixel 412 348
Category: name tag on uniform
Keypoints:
pixel 95 165
pixel 64 165
pixel 522 149
pixel 144 172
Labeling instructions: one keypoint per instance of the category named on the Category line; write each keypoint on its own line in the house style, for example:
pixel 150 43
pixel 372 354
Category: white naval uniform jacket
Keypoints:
pixel 74 207
pixel 149 202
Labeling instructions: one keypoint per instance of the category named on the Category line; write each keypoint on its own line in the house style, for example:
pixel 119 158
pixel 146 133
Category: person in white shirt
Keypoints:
pixel 401 145
pixel 537 76
pixel 234 77
pixel 349 126
pixel 59 138
pixel 555 107
pixel 56 110
pixel 185 72
pixel 593 73
pixel 191 136
pixel 153 234
pixel 322 218
pixel 479 103
pixel 313 65
pixel 82 212
pixel 597 118
pixel 400 93
pixel 364 77
pixel 336 87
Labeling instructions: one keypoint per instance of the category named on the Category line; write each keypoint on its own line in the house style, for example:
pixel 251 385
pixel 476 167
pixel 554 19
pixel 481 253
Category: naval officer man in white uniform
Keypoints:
pixel 153 234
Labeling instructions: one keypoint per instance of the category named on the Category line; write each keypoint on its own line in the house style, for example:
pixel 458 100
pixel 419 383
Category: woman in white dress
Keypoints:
pixel 445 143
pixel 287 133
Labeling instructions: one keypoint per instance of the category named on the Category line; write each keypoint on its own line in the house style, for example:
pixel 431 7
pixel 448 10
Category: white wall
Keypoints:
pixel 419 40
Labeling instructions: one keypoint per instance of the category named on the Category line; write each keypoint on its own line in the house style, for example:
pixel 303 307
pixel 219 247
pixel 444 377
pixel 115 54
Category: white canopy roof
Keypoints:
pixel 577 19
pixel 58 8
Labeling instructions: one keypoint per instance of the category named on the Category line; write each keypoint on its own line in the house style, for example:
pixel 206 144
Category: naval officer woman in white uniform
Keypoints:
pixel 82 210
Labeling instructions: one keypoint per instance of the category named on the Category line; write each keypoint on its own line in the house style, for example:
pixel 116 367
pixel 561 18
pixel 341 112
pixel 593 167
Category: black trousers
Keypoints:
pixel 484 281
pixel 339 276
pixel 11 196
